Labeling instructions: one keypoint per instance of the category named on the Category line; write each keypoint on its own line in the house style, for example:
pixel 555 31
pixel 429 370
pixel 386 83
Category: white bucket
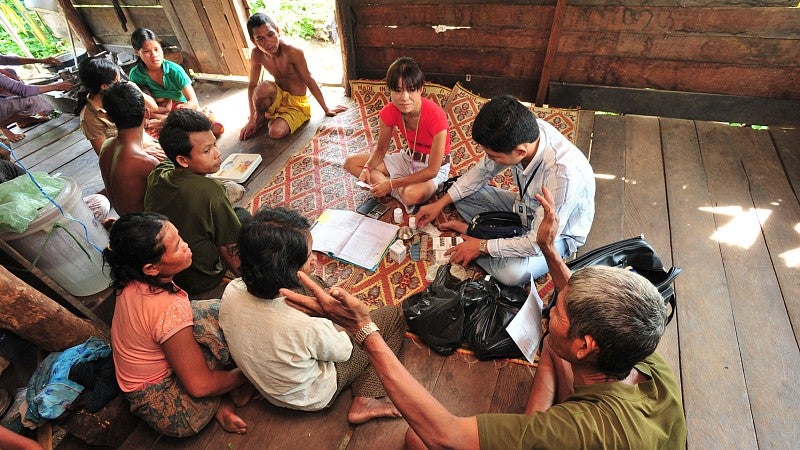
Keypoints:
pixel 62 259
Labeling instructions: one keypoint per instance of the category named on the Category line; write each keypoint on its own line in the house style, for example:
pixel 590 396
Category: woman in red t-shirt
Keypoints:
pixel 423 163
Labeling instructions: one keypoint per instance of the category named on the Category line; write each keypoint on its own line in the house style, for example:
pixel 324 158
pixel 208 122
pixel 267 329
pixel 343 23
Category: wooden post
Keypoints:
pixel 38 319
pixel 76 23
pixel 552 49
pixel 346 30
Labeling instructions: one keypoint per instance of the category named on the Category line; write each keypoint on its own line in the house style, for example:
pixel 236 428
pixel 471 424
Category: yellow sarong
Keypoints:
pixel 294 109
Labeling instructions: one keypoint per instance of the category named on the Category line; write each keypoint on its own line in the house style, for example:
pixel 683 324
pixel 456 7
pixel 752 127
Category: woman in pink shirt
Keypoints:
pixel 159 364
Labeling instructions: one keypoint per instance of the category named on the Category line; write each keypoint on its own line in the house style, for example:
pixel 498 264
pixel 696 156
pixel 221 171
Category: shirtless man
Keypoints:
pixel 124 164
pixel 281 104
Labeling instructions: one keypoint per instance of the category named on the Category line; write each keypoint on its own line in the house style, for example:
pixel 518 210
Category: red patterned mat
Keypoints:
pixel 313 179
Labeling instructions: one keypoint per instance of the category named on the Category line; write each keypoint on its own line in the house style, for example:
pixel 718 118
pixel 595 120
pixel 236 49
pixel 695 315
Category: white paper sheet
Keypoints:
pixel 526 327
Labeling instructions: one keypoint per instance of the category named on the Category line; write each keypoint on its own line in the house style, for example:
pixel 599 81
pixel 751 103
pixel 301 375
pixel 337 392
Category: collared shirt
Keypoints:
pixel 564 170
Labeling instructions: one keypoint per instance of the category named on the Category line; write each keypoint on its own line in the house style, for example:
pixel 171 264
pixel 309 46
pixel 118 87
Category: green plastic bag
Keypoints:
pixel 20 200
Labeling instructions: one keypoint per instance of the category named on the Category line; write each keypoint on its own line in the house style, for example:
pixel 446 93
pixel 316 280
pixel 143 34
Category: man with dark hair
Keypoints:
pixel 539 156
pixel 124 164
pixel 599 383
pixel 281 104
pixel 196 205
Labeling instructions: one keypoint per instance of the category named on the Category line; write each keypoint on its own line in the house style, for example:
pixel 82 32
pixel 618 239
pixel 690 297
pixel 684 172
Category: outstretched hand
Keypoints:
pixel 336 304
pixel 548 229
pixel 336 110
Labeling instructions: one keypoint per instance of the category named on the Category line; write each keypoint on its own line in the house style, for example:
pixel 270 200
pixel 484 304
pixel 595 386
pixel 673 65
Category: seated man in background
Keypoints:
pixel 281 104
pixel 599 383
pixel 124 164
pixel 539 155
pixel 198 206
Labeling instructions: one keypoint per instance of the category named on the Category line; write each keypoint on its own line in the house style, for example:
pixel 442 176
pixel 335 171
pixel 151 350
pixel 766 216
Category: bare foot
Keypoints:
pixel 13 137
pixel 243 394
pixel 227 418
pixel 32 120
pixel 365 408
pixel 454 225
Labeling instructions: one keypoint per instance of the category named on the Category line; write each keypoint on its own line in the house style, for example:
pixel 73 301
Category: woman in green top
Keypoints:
pixel 165 80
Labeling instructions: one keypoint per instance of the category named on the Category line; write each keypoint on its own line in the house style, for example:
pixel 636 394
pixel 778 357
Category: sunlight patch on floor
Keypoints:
pixel 792 257
pixel 744 227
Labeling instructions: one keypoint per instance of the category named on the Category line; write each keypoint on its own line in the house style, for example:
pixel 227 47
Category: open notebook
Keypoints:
pixel 353 238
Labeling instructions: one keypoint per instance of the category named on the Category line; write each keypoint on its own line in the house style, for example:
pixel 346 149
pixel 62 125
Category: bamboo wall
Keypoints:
pixel 732 47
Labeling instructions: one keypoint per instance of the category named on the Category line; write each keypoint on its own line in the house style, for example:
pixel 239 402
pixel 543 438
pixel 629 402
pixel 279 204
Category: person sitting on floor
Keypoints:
pixel 413 174
pixel 97 74
pixel 197 205
pixel 538 155
pixel 170 382
pixel 281 104
pixel 20 102
pixel 124 165
pixel 165 80
pixel 297 361
pixel 599 384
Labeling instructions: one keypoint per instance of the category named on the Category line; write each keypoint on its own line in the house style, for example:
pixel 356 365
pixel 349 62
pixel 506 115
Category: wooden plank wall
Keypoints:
pixel 210 33
pixel 733 47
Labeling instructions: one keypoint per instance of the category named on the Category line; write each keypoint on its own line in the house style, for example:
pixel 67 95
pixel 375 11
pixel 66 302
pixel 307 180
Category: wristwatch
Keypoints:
pixel 484 246
pixel 365 331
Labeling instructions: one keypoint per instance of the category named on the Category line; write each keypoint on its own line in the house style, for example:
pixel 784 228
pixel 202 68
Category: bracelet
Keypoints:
pixel 390 184
pixel 365 331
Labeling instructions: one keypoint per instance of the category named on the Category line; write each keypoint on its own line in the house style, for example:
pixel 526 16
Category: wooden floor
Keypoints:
pixel 719 201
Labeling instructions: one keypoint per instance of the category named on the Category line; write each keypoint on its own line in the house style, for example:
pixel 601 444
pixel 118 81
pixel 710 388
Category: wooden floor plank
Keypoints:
pixel 776 194
pixel 608 163
pixel 513 389
pixel 42 135
pixel 52 157
pixel 584 132
pixel 787 142
pixel 387 434
pixel 466 386
pixel 645 206
pixel 85 170
pixel 712 378
pixel 737 170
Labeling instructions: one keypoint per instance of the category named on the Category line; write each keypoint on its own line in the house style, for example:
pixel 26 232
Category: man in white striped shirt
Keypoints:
pixel 539 155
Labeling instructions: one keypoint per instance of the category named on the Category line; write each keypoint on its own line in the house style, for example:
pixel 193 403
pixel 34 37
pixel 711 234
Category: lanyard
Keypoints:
pixel 519 185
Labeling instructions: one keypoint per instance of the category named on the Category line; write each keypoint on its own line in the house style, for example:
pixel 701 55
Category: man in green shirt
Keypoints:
pixel 197 206
pixel 599 383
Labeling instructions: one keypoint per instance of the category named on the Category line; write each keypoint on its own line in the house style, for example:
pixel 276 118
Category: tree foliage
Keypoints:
pixel 304 19
pixel 36 35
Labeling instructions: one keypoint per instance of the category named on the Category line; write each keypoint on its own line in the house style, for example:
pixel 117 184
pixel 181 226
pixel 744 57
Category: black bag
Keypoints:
pixel 494 305
pixel 637 254
pixel 496 224
pixel 437 314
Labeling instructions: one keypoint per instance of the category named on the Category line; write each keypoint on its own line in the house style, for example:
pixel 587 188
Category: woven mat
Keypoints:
pixel 313 180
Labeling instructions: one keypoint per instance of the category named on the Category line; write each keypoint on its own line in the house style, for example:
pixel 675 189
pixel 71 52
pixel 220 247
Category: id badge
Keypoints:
pixel 522 211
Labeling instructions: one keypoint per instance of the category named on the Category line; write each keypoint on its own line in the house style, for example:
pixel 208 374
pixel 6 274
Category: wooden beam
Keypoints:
pixel 76 23
pixel 38 319
pixel 346 29
pixel 683 105
pixel 552 49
